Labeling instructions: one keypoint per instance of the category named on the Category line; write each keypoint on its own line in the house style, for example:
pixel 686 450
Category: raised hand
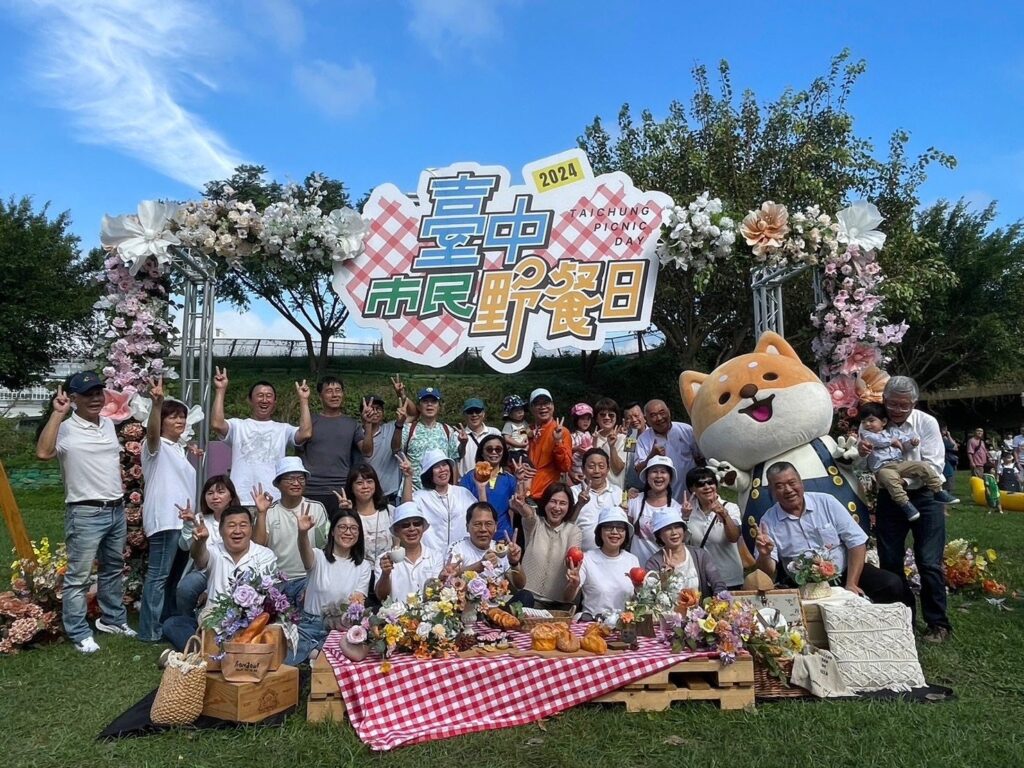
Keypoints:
pixel 302 390
pixel 584 495
pixel 765 545
pixel 463 435
pixel 303 519
pixel 220 378
pixel 515 552
pixel 61 402
pixel 405 465
pixel 399 386
pixel 559 428
pixel 572 573
pixel 367 412
pixel 185 514
pixel 200 532
pixel 156 390
pixel 386 564
pixel 343 500
pixel 261 499
pixel 687 505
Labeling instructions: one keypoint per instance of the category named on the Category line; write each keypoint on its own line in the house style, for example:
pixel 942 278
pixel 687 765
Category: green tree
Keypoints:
pixel 300 291
pixel 48 292
pixel 800 149
pixel 972 329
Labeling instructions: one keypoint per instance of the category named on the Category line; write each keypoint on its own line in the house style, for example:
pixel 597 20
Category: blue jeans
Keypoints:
pixel 163 546
pixel 93 533
pixel 178 629
pixel 294 589
pixel 929 532
pixel 312 634
pixel 191 586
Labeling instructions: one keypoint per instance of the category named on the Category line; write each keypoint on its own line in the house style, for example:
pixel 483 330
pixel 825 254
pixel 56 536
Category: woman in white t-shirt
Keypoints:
pixel 170 486
pixel 603 576
pixel 337 574
pixel 442 505
pixel 714 525
pixel 364 494
pixel 656 496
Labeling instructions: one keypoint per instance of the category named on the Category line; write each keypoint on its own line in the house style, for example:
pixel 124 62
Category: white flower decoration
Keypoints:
pixel 858 226
pixel 137 237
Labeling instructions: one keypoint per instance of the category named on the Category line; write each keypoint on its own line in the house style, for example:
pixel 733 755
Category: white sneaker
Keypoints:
pixel 87 646
pixel 115 629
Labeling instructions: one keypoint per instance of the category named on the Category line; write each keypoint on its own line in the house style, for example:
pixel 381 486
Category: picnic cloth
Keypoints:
pixel 426 700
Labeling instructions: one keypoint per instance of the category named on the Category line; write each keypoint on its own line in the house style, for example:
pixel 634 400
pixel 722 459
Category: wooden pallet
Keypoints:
pixel 325 702
pixel 731 686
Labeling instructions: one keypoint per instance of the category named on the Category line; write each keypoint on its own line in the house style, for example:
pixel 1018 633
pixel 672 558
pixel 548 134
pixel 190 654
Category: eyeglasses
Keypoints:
pixel 899 407
pixel 409 524
pixel 705 483
pixel 294 479
pixel 348 528
pixel 614 527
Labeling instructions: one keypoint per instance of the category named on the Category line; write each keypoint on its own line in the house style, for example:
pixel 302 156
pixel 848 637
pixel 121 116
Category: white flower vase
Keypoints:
pixel 815 590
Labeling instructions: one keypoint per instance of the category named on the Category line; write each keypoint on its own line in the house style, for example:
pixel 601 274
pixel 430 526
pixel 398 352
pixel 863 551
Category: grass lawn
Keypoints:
pixel 53 702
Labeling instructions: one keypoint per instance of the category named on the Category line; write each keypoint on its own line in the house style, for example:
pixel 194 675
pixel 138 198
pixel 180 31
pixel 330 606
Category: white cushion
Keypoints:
pixel 874 646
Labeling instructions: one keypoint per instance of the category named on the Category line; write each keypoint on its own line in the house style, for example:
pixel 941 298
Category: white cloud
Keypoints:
pixel 444 25
pixel 335 90
pixel 115 66
pixel 280 21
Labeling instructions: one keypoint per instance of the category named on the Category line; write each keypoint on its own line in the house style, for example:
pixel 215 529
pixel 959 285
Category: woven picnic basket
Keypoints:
pixel 767 686
pixel 179 699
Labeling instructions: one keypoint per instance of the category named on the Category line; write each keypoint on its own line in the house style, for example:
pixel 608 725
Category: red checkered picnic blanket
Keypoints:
pixel 425 700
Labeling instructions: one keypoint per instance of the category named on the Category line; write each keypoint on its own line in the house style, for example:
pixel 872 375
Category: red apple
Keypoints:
pixel 575 556
pixel 637 576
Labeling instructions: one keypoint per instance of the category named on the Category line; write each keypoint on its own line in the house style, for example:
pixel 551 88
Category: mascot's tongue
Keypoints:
pixel 760 411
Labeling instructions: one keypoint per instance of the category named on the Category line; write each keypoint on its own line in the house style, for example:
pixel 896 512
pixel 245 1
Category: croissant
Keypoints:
pixel 567 642
pixel 483 471
pixel 502 619
pixel 593 642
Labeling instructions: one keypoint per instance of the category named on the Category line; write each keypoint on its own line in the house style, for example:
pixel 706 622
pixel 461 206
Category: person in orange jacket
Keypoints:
pixel 550 448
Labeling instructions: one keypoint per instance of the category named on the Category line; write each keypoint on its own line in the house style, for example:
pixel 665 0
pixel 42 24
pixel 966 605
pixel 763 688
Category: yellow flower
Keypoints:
pixel 392 632
pixel 991 555
pixel 386 667
pixel 469 575
pixel 708 624
pixel 446 608
pixel 796 641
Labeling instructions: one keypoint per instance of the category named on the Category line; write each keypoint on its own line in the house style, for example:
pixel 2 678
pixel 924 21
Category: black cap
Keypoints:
pixel 376 400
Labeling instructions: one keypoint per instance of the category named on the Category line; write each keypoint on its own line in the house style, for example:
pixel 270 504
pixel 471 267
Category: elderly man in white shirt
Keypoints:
pixel 929 530
pixel 89 453
pixel 238 553
pixel 664 437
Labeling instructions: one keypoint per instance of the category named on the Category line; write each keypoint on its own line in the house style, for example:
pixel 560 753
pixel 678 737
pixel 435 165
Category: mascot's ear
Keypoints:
pixel 771 343
pixel 689 385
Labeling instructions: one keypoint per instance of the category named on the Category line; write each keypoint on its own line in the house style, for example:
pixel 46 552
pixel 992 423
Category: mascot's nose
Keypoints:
pixel 748 390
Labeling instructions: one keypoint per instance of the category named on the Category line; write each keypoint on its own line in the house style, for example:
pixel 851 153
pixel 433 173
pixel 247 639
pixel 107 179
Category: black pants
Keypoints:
pixel 880 586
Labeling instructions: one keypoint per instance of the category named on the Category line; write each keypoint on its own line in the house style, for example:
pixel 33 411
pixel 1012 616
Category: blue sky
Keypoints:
pixel 110 102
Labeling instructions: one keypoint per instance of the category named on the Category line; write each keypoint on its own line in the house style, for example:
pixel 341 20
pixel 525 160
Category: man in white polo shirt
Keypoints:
pixel 89 453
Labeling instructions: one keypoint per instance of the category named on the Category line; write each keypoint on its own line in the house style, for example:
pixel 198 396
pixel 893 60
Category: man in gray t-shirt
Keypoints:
pixel 329 454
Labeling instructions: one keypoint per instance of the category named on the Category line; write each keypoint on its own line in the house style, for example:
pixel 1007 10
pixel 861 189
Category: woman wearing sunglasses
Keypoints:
pixel 714 525
pixel 499 488
pixel 407 568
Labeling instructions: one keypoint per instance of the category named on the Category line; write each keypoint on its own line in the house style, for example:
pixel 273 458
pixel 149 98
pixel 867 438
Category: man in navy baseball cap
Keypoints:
pixel 84 382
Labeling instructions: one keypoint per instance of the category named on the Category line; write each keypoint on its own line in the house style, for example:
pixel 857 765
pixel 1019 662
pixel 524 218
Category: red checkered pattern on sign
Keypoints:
pixel 576 238
pixel 391 246
pixel 426 700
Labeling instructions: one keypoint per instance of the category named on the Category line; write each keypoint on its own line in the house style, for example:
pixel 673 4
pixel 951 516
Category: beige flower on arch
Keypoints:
pixel 765 229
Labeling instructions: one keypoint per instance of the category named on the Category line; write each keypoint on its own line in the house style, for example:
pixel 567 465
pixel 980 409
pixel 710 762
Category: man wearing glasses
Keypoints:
pixel 929 530
pixel 277 523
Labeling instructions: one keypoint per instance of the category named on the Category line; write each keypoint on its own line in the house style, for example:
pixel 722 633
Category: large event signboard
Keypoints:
pixel 560 260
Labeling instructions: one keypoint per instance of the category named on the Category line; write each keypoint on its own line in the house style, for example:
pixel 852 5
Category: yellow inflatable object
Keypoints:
pixel 1010 501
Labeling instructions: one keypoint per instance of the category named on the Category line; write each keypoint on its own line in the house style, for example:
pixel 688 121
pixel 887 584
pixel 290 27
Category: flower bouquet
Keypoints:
pixel 967 568
pixel 813 572
pixel 774 650
pixel 694 237
pixel 250 595
pixel 654 595
pixel 720 624
pixel 425 627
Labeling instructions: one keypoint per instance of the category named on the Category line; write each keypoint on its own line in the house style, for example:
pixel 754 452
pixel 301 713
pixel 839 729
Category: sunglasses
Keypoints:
pixel 409 524
pixel 493 449
pixel 705 483
pixel 473 412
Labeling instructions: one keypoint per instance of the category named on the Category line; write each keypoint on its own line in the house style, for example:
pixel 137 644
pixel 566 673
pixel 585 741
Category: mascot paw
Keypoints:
pixel 846 449
pixel 723 471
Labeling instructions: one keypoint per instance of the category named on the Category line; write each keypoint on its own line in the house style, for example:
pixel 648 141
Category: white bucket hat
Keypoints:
pixel 663 518
pixel 431 459
pixel 405 511
pixel 659 461
pixel 613 515
pixel 286 465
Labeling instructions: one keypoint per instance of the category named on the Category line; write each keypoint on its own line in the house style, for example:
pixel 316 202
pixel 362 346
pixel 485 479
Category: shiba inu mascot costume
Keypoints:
pixel 764 407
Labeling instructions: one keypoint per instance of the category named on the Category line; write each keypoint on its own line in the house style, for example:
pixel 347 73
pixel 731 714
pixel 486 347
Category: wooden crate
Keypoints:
pixel 815 626
pixel 251 702
pixel 731 686
pixel 325 702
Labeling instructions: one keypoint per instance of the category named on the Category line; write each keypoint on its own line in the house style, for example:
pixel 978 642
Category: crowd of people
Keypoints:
pixel 371 508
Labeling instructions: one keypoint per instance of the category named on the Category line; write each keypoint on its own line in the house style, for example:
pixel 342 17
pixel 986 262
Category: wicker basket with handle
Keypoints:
pixel 179 699
pixel 767 686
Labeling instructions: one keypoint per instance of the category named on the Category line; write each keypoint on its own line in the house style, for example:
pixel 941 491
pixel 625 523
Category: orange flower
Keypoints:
pixel 687 599
pixel 993 587
pixel 766 229
pixel 386 667
pixel 627 617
